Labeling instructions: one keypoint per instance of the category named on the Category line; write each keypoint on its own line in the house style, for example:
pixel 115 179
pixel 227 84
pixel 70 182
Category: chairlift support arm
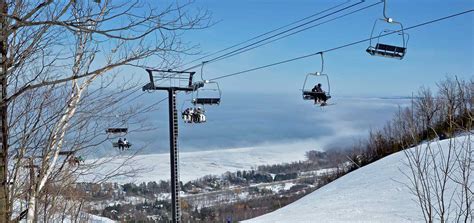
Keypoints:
pixel 151 85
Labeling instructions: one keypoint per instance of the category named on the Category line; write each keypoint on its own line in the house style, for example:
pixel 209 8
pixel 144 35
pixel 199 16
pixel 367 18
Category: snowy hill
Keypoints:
pixel 374 193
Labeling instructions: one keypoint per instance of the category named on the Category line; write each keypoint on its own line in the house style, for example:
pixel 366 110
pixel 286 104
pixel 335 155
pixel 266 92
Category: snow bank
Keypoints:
pixel 374 193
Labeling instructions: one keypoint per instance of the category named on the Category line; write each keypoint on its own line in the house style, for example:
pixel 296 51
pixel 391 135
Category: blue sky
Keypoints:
pixel 434 51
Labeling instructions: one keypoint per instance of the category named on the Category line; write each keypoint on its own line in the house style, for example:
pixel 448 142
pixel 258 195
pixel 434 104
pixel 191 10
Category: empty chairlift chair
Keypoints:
pixel 387 51
pixel 209 94
pixel 116 130
pixel 66 153
pixel 382 47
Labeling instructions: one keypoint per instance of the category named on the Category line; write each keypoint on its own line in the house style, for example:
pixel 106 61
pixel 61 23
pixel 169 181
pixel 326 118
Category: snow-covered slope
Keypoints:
pixel 90 218
pixel 374 193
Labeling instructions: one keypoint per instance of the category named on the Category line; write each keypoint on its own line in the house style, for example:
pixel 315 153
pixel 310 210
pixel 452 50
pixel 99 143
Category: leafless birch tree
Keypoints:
pixel 61 59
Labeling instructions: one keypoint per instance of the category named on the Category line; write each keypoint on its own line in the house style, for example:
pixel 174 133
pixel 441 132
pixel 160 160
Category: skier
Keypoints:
pixel 125 143
pixel 120 144
pixel 320 96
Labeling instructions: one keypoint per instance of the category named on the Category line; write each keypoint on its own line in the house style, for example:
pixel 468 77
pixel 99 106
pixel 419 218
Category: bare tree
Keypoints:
pixel 426 107
pixel 440 173
pixel 61 62
pixel 440 177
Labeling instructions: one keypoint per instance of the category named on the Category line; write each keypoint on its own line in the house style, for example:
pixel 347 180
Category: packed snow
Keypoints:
pixel 374 193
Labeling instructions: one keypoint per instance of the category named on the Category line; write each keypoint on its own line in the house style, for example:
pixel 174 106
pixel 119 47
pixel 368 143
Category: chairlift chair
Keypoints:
pixel 66 153
pixel 206 92
pixel 308 94
pixel 118 132
pixel 116 145
pixel 307 90
pixel 389 50
pixel 209 94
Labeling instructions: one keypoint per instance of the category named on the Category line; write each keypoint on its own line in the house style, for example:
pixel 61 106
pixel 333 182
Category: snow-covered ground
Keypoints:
pixel 374 193
pixel 99 219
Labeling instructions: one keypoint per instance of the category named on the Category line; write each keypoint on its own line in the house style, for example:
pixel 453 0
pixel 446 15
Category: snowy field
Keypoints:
pixel 374 193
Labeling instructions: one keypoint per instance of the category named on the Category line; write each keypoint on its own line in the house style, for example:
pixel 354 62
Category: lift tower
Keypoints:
pixel 173 82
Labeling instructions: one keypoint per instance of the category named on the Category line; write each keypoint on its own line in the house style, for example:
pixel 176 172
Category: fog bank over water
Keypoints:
pixel 244 120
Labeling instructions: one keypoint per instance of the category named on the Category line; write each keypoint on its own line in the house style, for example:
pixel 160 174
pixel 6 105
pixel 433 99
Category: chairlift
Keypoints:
pixel 206 92
pixel 383 49
pixel 119 132
pixel 309 92
pixel 209 94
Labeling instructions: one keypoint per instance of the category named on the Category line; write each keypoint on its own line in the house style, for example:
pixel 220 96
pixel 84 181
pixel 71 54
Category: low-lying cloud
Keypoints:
pixel 247 120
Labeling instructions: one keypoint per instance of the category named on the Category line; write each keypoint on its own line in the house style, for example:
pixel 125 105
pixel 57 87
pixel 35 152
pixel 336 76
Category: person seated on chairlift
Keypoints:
pixel 188 115
pixel 319 98
pixel 200 117
pixel 76 160
pixel 197 115
pixel 185 115
pixel 120 144
pixel 125 143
